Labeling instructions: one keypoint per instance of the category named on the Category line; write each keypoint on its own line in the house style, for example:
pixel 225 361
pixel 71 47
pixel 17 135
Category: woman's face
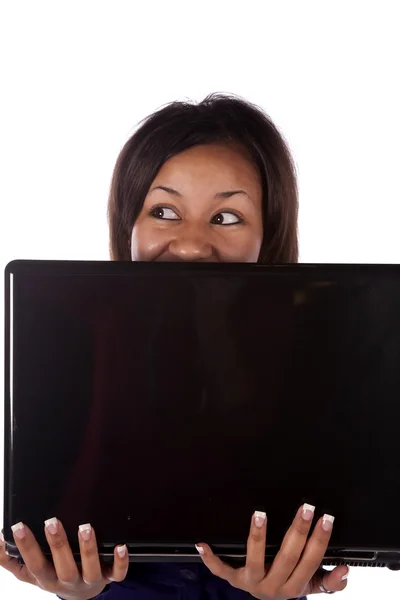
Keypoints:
pixel 204 205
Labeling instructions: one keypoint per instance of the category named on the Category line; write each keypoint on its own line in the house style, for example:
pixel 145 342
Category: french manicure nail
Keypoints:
pixel 2 541
pixel 327 522
pixel 345 576
pixel 259 518
pixel 19 530
pixel 308 512
pixel 122 550
pixel 51 525
pixel 199 549
pixel 85 531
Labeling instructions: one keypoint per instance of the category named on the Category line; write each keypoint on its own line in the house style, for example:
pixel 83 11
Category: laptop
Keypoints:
pixel 165 403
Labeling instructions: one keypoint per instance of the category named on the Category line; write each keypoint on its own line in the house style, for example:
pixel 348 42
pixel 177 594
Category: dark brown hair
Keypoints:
pixel 217 119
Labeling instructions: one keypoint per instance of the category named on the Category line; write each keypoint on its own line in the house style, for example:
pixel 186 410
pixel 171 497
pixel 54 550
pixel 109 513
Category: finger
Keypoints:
pixel 91 568
pixel 33 557
pixel 332 581
pixel 11 564
pixel 215 564
pixel 254 570
pixel 64 563
pixel 120 567
pixel 313 554
pixel 291 550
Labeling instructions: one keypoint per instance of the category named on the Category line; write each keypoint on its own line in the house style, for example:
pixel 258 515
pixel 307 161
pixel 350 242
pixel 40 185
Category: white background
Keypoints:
pixel 76 77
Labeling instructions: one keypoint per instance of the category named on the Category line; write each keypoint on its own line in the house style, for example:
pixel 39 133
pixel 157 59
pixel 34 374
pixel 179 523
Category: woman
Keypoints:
pixel 197 182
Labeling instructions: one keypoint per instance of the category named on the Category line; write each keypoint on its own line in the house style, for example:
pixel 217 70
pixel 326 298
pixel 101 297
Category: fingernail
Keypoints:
pixel 308 512
pixel 199 549
pixel 345 576
pixel 85 531
pixel 122 550
pixel 327 522
pixel 19 531
pixel 259 518
pixel 51 525
pixel 2 541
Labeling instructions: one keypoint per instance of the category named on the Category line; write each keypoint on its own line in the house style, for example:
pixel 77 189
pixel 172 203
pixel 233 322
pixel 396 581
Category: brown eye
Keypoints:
pixel 165 213
pixel 225 218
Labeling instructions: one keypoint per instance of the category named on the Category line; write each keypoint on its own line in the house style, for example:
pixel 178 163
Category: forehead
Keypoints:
pixel 211 163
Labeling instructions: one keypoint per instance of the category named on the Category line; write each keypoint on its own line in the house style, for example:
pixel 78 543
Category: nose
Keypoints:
pixel 191 244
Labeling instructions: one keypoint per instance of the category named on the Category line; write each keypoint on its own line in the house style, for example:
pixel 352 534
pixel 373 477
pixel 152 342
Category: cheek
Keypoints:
pixel 258 240
pixel 244 247
pixel 253 250
pixel 145 246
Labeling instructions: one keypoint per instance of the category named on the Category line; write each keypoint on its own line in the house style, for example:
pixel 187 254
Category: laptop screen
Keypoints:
pixel 165 403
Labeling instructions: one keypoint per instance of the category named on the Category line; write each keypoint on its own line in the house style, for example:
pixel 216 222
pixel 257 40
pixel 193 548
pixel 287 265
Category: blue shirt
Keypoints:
pixel 172 581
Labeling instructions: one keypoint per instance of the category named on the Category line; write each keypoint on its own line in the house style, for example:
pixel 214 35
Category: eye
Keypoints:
pixel 165 213
pixel 226 218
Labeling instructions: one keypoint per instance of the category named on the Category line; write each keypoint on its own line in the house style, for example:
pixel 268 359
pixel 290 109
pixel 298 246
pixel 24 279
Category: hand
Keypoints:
pixel 296 569
pixel 64 578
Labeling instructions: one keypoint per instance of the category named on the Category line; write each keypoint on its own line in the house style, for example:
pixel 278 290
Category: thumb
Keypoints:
pixel 332 581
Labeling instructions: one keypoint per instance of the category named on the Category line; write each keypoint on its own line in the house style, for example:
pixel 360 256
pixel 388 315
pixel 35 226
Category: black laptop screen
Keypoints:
pixel 165 403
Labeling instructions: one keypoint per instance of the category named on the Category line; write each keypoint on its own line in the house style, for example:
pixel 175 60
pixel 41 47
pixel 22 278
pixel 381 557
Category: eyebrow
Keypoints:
pixel 227 194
